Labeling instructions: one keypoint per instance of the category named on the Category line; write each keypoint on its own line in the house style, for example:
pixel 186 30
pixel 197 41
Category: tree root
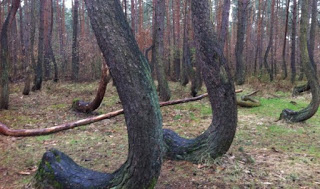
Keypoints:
pixel 60 171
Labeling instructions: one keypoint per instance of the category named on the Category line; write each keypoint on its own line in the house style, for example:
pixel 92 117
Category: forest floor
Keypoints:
pixel 264 154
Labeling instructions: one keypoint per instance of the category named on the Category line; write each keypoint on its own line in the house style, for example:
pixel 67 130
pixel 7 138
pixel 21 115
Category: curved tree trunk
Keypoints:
pixel 4 63
pixel 136 90
pixel 158 51
pixel 216 140
pixel 87 107
pixel 308 112
pixel 242 17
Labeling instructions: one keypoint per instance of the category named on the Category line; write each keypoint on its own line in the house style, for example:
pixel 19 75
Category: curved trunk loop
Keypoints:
pixel 88 107
pixel 312 108
pixel 131 73
pixel 217 139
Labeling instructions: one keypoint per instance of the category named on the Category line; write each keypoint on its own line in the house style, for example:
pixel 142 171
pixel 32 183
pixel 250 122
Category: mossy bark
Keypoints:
pixel 131 74
pixel 308 112
pixel 216 140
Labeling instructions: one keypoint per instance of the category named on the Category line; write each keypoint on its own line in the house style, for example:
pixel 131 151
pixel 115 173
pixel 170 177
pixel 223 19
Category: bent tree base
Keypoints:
pixel 300 89
pixel 88 107
pixel 59 171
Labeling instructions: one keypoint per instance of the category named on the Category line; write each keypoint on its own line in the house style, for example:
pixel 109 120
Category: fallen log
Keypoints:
pixel 247 101
pixel 4 130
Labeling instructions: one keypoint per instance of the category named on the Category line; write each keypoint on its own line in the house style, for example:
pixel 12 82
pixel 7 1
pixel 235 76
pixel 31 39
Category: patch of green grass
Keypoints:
pixel 280 130
pixel 177 117
pixel 272 107
pixel 59 106
pixel 43 138
pixel 205 111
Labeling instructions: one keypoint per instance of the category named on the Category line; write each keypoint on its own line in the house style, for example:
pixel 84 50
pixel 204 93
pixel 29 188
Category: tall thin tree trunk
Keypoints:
pixel 312 38
pixel 75 43
pixel 133 17
pixel 293 39
pixel 4 64
pixel 25 43
pixel 266 65
pixel 158 50
pixel 177 59
pixel 242 19
pixel 38 76
pixel 284 64
pixel 224 22
pixel 186 58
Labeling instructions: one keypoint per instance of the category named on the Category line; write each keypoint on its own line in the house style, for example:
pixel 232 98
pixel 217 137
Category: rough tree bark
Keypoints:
pixel 136 90
pixel 293 39
pixel 158 51
pixel 186 67
pixel 242 17
pixel 196 79
pixel 308 112
pixel 176 58
pixel 259 38
pixel 284 64
pixel 133 17
pixel 47 28
pixel 39 70
pixel 4 64
pixel 217 139
pixel 312 39
pixel 25 43
pixel 75 43
pixel 223 30
pixel 311 46
pixel 266 65
pixel 88 107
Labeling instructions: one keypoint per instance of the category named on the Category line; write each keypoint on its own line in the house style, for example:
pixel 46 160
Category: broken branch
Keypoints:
pixel 4 130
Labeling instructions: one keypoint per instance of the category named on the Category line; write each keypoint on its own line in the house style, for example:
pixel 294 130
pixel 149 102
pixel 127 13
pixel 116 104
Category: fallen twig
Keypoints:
pixel 4 130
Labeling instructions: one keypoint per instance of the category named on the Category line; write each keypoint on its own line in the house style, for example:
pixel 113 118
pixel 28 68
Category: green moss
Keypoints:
pixel 45 177
pixel 153 183
pixel 43 138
